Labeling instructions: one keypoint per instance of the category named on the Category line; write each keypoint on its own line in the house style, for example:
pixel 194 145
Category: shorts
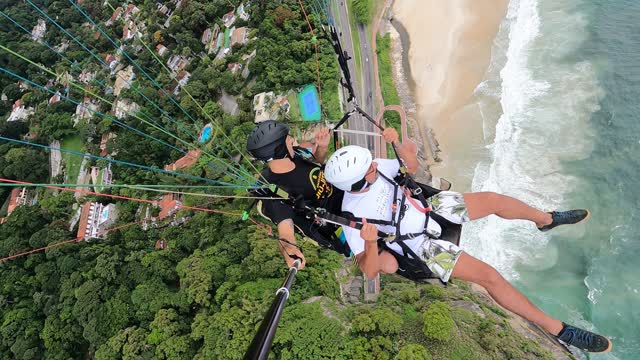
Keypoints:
pixel 450 205
pixel 440 256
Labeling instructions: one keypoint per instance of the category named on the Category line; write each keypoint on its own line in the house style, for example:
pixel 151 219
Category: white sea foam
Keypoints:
pixel 545 107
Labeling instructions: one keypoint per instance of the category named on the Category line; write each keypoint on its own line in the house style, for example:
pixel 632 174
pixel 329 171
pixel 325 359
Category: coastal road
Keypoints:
pixel 364 97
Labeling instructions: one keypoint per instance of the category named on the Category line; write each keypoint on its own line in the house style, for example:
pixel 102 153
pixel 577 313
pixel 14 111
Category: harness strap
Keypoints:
pixel 421 209
pixel 352 222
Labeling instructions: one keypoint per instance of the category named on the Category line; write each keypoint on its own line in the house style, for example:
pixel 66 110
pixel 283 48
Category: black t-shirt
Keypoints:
pixel 306 179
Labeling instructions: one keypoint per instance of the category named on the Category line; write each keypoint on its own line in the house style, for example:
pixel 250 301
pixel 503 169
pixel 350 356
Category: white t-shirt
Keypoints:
pixel 376 203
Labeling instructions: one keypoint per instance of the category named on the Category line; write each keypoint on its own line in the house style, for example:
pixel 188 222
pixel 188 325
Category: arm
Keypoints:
pixel 407 152
pixel 286 236
pixel 322 145
pixel 368 260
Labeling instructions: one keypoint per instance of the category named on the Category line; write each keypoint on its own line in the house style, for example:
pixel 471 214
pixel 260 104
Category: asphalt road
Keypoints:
pixel 365 90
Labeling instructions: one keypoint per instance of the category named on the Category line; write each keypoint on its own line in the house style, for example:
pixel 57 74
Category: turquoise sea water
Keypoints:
pixel 561 112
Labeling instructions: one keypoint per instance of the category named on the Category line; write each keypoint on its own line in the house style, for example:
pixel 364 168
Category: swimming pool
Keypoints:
pixel 310 103
pixel 206 134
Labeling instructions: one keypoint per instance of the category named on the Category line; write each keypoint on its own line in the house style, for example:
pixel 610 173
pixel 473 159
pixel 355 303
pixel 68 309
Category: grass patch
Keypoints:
pixel 72 162
pixel 294 111
pixel 387 85
pixel 99 180
pixel 330 100
pixel 362 10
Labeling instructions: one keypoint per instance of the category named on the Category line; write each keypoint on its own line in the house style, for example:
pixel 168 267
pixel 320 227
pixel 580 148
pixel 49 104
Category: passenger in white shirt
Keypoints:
pixel 370 195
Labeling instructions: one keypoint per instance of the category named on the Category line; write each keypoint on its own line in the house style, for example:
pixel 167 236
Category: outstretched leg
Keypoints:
pixel 482 204
pixel 471 269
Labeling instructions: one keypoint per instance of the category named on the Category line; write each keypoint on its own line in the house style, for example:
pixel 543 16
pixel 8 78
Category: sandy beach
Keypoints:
pixel 449 54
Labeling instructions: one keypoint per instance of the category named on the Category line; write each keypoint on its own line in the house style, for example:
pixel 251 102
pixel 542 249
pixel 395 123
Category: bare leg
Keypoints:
pixel 482 204
pixel 471 269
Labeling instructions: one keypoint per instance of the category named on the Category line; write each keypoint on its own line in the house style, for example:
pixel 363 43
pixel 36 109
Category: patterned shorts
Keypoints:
pixel 440 256
pixel 451 206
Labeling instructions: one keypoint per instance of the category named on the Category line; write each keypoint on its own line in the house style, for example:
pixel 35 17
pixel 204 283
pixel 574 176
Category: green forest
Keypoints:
pixel 203 294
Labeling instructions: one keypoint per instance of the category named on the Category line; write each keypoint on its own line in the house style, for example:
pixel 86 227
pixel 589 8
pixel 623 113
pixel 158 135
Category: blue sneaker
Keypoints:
pixel 569 217
pixel 583 339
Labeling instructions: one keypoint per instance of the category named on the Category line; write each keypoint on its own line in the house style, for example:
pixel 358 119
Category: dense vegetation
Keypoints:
pixel 362 10
pixel 205 294
pixel 387 85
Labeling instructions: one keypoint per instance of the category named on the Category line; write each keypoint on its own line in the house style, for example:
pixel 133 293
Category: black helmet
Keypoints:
pixel 267 140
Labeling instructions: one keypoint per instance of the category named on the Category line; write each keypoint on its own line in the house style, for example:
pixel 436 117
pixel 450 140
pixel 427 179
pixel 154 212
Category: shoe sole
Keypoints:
pixel 608 349
pixel 579 222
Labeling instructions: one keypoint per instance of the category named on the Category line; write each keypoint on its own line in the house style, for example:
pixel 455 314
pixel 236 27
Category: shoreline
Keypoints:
pixel 454 41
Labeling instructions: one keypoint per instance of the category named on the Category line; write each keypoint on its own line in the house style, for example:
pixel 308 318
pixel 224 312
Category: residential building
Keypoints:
pixel 239 36
pixel 242 14
pixel 234 67
pixel 261 105
pixel 86 76
pixel 123 108
pixel 114 17
pixel 248 58
pixel 183 78
pixel 37 33
pixel 180 3
pixel 162 244
pixel 107 176
pixel 95 220
pixel 130 11
pixel 184 162
pixel 170 204
pixel 111 61
pixel 229 18
pixel 163 9
pixel 179 82
pixel 19 197
pixel 123 80
pixel 19 112
pixel 206 37
pixel 54 99
pixel 161 49
pixel 268 106
pixel 281 103
pixel 104 141
pixel 129 30
pixel 86 109
pixel 177 63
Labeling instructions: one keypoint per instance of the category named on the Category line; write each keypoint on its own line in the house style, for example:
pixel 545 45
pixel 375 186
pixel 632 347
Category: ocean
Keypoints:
pixel 560 108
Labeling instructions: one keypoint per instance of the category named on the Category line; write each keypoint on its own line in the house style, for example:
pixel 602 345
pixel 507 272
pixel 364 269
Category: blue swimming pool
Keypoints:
pixel 206 134
pixel 310 104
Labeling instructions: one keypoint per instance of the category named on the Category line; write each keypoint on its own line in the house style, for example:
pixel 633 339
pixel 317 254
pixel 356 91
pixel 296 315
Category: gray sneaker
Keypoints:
pixel 568 217
pixel 583 339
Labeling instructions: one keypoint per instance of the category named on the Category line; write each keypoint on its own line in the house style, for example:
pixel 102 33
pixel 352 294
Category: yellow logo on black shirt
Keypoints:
pixel 322 188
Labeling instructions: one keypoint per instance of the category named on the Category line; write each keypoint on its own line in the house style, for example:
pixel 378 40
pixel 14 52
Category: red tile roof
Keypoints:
pixel 168 206
pixel 184 162
pixel 84 220
pixel 13 200
pixel 115 14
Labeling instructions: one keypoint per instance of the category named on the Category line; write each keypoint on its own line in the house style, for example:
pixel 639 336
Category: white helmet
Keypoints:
pixel 347 166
